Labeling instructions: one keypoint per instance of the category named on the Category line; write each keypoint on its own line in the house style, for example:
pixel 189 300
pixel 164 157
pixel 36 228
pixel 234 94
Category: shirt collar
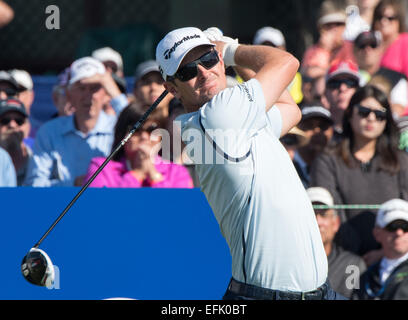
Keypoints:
pixel 100 127
pixel 391 264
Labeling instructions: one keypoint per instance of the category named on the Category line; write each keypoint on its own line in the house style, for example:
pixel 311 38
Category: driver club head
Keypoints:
pixel 37 268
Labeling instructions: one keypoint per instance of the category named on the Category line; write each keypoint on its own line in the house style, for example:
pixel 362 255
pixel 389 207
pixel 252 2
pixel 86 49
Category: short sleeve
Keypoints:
pixel 241 107
pixel 275 121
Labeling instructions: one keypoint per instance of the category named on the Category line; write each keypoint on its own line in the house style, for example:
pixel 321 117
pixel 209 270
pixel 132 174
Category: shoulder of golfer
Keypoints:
pixel 275 70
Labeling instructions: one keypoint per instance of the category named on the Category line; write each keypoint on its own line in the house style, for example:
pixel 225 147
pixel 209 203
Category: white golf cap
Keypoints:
pixel 175 45
pixel 108 54
pixel 319 194
pixel 269 34
pixel 84 68
pixel 146 67
pixel 22 78
pixel 336 17
pixel 395 209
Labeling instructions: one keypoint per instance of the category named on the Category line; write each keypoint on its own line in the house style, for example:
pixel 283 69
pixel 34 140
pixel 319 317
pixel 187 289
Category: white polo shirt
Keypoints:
pixel 259 202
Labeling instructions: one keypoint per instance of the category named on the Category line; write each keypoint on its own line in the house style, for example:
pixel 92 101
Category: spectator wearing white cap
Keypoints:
pixel 64 146
pixel 388 278
pixel 25 87
pixel 273 37
pixel 148 86
pixel 331 45
pixel 339 260
pixel 270 37
pixel 111 59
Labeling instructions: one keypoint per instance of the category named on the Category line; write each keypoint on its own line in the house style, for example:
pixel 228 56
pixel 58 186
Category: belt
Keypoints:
pixel 256 292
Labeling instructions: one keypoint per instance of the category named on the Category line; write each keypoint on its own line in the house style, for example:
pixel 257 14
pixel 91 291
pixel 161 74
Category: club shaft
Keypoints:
pixel 113 153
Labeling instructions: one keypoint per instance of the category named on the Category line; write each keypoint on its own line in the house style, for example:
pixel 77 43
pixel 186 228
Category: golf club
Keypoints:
pixel 36 266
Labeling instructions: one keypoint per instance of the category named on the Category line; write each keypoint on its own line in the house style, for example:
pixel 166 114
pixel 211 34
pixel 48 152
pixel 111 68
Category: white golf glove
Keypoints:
pixel 231 45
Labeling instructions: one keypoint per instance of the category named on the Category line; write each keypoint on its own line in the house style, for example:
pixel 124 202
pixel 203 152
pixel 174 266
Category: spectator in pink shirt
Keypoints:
pixel 136 164
pixel 389 19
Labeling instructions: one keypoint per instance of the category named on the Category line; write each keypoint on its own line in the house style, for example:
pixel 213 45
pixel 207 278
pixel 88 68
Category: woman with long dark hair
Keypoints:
pixel 366 167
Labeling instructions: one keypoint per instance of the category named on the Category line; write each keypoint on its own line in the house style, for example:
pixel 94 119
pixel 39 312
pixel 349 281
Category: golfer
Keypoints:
pixel 257 198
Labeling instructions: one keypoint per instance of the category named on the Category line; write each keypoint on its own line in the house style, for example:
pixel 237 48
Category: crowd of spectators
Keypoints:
pixel 348 149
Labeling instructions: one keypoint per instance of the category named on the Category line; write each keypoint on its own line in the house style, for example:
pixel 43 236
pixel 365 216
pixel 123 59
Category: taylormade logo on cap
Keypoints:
pixel 168 53
pixel 175 45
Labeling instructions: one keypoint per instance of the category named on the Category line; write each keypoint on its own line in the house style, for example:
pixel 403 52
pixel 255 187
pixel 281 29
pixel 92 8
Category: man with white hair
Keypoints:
pixel 388 278
pixel 64 146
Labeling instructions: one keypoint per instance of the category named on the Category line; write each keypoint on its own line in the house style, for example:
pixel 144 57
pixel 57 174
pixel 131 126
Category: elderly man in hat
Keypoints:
pixel 13 123
pixel 340 261
pixel 64 146
pixel 388 278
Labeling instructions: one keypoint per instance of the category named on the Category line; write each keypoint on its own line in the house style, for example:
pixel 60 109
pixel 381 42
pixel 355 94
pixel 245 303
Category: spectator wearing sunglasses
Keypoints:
pixel 388 278
pixel 390 20
pixel 137 164
pixel 13 124
pixel 366 167
pixel 367 50
pixel 339 260
pixel 342 81
pixel 368 53
pixel 317 126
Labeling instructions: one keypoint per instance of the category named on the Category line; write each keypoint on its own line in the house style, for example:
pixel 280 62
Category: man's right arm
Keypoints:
pixel 274 69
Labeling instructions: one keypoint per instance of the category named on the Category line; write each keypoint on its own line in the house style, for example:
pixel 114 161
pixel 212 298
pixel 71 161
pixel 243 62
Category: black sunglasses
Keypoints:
pixel 397 224
pixel 190 71
pixel 6 120
pixel 364 45
pixel 389 18
pixel 364 112
pixel 336 84
pixel 9 92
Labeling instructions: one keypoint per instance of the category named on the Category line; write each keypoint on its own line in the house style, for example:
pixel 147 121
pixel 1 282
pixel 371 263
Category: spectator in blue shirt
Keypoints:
pixel 7 172
pixel 64 146
pixel 13 126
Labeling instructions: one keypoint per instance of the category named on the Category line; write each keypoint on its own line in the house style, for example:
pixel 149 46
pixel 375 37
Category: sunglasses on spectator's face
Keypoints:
pixel 397 224
pixel 6 120
pixel 364 112
pixel 9 92
pixel 389 18
pixel 190 70
pixel 336 84
pixel 365 45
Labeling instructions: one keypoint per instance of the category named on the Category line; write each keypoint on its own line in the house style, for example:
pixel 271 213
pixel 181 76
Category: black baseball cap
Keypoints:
pixel 368 38
pixel 12 104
